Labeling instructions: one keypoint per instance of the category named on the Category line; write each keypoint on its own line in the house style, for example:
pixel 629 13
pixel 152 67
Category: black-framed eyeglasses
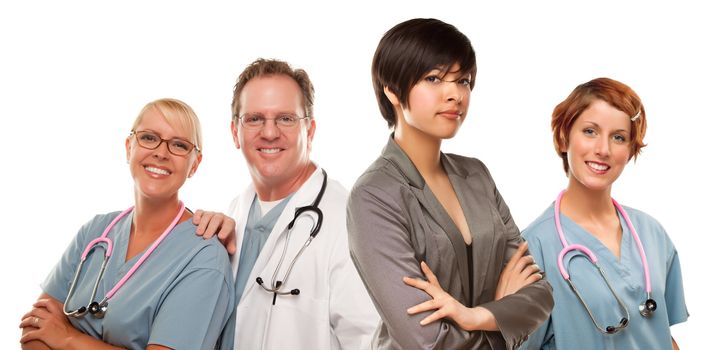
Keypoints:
pixel 256 121
pixel 151 140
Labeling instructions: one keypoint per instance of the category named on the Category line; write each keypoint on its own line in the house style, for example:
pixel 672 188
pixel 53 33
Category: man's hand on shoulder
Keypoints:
pixel 212 223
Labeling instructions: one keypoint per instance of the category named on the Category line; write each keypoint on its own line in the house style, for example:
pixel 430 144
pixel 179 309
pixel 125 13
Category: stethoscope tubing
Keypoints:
pixel 569 247
pixel 314 208
pixel 148 252
pixel 108 251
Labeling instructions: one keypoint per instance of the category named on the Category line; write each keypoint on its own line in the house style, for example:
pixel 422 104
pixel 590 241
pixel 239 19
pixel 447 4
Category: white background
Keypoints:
pixel 73 75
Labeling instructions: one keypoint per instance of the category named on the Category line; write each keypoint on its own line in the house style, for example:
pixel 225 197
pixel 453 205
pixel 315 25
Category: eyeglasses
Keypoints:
pixel 257 121
pixel 151 140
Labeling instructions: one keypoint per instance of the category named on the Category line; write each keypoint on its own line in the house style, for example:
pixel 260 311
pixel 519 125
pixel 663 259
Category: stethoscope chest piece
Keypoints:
pixel 98 310
pixel 647 308
pixel 314 208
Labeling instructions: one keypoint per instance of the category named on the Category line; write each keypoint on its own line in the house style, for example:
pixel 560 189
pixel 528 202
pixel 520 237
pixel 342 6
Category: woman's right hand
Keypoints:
pixel 47 323
pixel 519 272
pixel 444 305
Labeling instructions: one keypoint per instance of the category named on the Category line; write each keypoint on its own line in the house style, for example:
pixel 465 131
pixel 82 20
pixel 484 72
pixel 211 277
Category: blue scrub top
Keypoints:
pixel 180 297
pixel 569 326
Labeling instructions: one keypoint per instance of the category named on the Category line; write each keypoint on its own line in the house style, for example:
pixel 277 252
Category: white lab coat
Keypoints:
pixel 333 309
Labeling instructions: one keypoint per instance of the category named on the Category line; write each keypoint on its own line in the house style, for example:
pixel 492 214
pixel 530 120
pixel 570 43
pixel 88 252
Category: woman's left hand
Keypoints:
pixel 445 305
pixel 46 322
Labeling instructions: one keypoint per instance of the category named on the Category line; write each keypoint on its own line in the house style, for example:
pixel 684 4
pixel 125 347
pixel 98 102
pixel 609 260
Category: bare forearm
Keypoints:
pixel 78 341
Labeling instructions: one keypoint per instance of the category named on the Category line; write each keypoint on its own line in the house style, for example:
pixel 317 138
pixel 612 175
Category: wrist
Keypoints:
pixel 71 340
pixel 485 320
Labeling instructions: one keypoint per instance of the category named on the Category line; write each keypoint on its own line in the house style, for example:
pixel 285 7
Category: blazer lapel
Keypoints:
pixel 477 209
pixel 393 153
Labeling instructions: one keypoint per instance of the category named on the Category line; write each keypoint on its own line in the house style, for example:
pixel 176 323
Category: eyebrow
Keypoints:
pixel 278 114
pixel 599 127
pixel 159 135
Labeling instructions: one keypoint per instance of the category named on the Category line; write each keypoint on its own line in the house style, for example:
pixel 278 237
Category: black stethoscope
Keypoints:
pixel 314 208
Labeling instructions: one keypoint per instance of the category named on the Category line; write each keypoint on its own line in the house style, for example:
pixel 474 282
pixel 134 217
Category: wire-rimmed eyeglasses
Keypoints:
pixel 151 140
pixel 256 121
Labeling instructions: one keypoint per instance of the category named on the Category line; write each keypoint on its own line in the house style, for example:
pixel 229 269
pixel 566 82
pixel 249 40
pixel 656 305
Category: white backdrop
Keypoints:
pixel 73 75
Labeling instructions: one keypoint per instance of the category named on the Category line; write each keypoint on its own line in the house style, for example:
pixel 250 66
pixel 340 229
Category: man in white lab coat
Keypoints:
pixel 317 301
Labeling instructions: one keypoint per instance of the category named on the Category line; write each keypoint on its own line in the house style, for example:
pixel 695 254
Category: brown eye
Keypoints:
pixel 432 79
pixel 148 137
pixel 180 145
pixel 253 120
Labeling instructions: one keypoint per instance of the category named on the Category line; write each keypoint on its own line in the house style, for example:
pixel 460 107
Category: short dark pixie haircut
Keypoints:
pixel 410 50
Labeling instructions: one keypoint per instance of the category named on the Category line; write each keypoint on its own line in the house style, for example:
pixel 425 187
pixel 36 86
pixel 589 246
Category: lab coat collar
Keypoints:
pixel 267 259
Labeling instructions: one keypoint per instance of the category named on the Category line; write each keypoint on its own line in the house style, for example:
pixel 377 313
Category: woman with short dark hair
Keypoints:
pixel 437 217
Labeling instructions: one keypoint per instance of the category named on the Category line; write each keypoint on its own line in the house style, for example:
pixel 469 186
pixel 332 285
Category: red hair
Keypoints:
pixel 616 94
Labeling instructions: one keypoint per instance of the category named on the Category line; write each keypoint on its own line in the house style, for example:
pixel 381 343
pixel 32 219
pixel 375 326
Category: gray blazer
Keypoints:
pixel 395 222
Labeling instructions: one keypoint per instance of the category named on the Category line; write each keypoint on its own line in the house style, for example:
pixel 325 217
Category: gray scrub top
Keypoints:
pixel 180 297
pixel 569 326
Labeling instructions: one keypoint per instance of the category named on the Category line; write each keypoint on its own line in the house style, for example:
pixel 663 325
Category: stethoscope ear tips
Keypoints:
pixel 295 291
pixel 259 281
pixel 647 308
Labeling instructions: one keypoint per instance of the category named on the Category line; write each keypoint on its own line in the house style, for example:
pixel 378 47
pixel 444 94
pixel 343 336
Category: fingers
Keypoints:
pixel 531 269
pixel 198 214
pixel 435 316
pixel 27 314
pixel 34 317
pixel 201 220
pixel 214 225
pixel 44 303
pixel 30 321
pixel 37 312
pixel 210 223
pixel 230 244
pixel 522 264
pixel 429 274
pixel 533 278
pixel 29 334
pixel 227 233
pixel 417 283
pixel 423 306
pixel 522 248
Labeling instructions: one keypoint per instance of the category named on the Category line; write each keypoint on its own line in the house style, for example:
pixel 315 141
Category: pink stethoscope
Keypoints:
pixel 98 309
pixel 646 309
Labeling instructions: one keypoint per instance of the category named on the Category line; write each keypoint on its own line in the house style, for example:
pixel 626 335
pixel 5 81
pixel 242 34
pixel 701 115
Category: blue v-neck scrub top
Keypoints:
pixel 569 326
pixel 180 297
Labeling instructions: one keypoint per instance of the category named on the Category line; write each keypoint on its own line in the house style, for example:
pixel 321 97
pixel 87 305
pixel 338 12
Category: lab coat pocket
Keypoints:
pixel 294 318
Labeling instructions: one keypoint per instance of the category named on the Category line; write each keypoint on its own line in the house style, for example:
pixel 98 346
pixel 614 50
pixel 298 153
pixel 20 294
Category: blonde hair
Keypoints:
pixel 176 112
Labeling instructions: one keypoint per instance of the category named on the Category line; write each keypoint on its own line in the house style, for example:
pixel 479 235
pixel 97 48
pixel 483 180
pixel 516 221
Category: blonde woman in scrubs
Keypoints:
pixel 181 296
